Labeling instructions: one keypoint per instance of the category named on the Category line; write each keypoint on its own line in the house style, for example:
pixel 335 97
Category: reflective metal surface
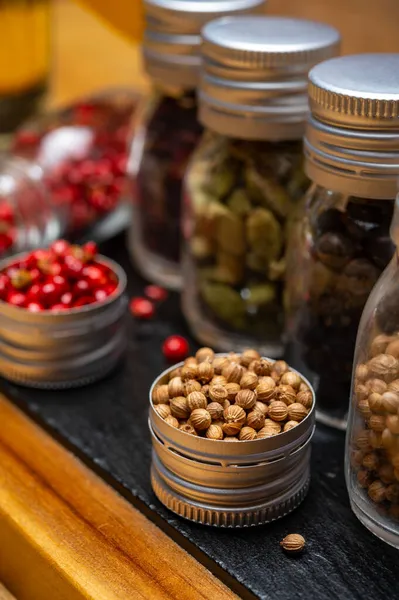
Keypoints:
pixel 352 137
pixel 230 484
pixel 66 349
pixel 172 38
pixel 254 76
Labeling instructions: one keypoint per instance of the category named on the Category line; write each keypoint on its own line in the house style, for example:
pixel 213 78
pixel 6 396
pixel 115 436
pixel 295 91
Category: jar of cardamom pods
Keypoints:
pixel 340 243
pixel 246 176
pixel 167 129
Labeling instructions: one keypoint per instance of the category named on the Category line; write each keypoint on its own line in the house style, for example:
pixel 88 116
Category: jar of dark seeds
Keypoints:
pixel 167 129
pixel 340 240
pixel 246 176
pixel 372 453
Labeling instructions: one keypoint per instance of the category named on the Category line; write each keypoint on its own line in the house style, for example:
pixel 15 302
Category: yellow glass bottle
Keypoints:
pixel 24 59
pixel 125 16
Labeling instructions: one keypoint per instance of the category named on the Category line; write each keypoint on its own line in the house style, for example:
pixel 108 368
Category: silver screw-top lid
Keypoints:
pixel 352 138
pixel 172 37
pixel 254 75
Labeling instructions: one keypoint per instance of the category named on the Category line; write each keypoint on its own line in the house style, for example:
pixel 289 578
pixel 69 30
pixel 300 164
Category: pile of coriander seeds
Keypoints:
pixel 375 437
pixel 235 397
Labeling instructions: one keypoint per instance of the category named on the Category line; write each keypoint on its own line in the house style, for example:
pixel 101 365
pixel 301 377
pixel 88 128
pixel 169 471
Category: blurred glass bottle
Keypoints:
pixel 24 59
pixel 126 17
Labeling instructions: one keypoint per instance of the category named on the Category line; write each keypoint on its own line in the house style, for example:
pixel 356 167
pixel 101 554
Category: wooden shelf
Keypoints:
pixel 65 535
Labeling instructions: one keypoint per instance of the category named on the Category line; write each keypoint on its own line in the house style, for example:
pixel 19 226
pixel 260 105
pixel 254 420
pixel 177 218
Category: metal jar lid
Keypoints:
pixel 254 75
pixel 239 484
pixel 352 138
pixel 172 38
pixel 59 350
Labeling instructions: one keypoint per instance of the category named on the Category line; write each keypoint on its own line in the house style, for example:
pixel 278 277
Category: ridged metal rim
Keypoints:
pixel 253 447
pixel 357 91
pixel 343 104
pixel 25 381
pixel 227 519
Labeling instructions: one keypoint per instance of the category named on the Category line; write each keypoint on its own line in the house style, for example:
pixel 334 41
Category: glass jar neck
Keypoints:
pixel 173 91
pixel 341 198
pixel 240 126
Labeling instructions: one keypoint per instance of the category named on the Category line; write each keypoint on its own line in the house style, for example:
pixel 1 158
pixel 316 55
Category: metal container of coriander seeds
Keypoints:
pixel 57 350
pixel 240 484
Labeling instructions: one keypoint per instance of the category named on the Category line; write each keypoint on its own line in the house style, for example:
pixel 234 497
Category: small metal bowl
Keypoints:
pixel 230 484
pixel 57 350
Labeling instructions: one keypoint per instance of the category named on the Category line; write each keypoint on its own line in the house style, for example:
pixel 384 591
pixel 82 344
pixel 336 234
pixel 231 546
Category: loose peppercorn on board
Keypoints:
pixel 106 425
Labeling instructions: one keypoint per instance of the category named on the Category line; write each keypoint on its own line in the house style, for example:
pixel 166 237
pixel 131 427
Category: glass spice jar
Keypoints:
pixel 167 129
pixel 27 219
pixel 339 242
pixel 82 149
pixel 246 176
pixel 372 448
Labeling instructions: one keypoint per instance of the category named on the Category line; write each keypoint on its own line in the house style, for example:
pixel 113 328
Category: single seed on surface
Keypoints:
pixel 293 543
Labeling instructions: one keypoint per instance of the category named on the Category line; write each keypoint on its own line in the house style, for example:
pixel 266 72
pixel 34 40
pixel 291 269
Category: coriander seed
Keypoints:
pixel 246 399
pixel 266 389
pixel 187 428
pixel 200 419
pixel 286 394
pixel 163 410
pixel 294 543
pixel 204 354
pixel 278 410
pixel 215 410
pixel 205 372
pixel 232 390
pixel 218 393
pixel 160 394
pixel 196 400
pixel 256 419
pixel 247 434
pixel 290 425
pixel 248 356
pixel 214 432
pixel 297 412
pixel 170 420
pixel 249 381
pixel 176 387
pixel 192 386
pixel 179 407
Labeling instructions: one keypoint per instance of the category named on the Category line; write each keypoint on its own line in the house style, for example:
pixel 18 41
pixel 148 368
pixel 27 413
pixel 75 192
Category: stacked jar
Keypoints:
pixel 167 129
pixel 340 241
pixel 372 454
pixel 246 176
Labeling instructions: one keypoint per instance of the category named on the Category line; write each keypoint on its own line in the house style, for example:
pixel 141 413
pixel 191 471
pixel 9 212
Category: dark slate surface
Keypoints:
pixel 106 425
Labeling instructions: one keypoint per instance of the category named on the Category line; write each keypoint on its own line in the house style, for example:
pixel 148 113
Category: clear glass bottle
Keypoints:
pixel 372 445
pixel 167 129
pixel 246 176
pixel 339 240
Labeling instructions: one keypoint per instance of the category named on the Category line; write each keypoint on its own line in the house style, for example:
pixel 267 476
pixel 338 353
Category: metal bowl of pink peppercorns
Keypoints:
pixel 62 313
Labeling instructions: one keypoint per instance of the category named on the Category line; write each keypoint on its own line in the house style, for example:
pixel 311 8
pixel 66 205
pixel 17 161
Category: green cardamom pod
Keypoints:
pixel 261 294
pixel 201 247
pixel 239 202
pixel 230 235
pixel 264 234
pixel 225 303
pixel 265 190
pixel 277 269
